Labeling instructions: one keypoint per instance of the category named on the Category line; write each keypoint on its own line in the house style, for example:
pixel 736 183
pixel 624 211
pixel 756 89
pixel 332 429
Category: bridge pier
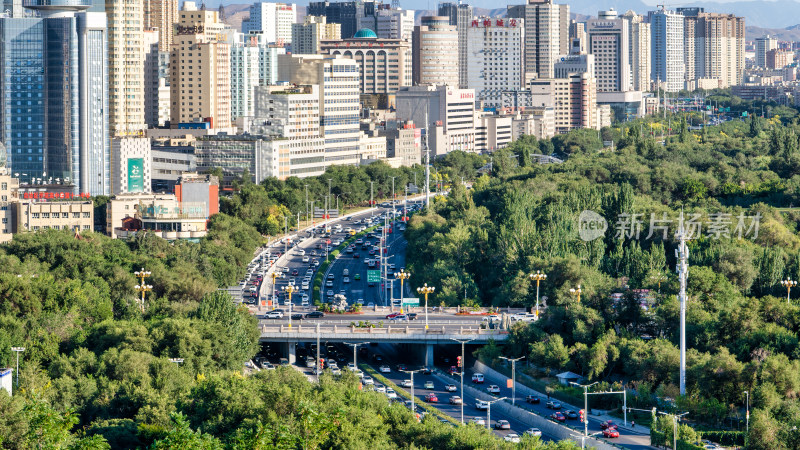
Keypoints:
pixel 290 351
pixel 429 355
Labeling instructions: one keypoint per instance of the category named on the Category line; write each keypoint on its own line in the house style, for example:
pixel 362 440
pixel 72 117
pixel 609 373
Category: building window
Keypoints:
pixel 45 215
pixel 76 215
pixel 86 215
pixel 35 215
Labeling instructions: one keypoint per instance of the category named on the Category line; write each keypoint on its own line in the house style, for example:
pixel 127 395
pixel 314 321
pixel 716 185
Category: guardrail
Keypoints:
pixel 297 329
pixel 386 322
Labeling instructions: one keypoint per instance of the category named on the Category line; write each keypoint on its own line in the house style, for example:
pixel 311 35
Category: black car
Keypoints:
pixel 297 317
pixel 571 414
pixel 412 316
pixel 426 371
pixel 315 314
pixel 533 399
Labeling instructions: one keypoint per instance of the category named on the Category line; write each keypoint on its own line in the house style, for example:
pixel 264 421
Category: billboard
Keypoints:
pixel 135 174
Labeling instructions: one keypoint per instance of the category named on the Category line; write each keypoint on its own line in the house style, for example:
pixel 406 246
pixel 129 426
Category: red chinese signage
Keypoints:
pixel 54 195
pixel 497 22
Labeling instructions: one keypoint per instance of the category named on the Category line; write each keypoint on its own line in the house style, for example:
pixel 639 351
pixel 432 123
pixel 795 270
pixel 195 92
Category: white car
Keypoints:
pixel 335 371
pixel 300 252
pixel 274 315
pixel 493 389
pixel 306 259
pixel 346 280
pixel 304 301
pixel 534 432
pixel 385 369
pixel 479 421
pixel 406 383
pixel 351 366
pixel 391 393
pixel 481 405
pixel 512 438
pixel 450 388
pixel 380 388
pixel 368 380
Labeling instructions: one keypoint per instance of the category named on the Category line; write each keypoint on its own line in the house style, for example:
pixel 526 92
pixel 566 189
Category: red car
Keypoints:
pixel 431 398
pixel 609 425
pixel 610 433
pixel 558 416
pixel 453 370
pixel 392 315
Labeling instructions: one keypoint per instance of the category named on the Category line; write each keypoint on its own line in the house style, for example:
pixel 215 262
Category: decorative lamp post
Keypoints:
pixel 290 289
pixel 425 290
pixel 402 276
pixel 17 350
pixel 577 293
pixel 141 287
pixel 788 284
pixel 538 277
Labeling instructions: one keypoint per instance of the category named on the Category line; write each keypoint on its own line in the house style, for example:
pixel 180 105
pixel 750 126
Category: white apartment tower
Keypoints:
pixel 494 57
pixel 273 19
pixel 639 48
pixel 435 52
pixel 126 55
pixel 763 45
pixel 460 15
pixel 608 41
pixel 546 35
pixel 668 66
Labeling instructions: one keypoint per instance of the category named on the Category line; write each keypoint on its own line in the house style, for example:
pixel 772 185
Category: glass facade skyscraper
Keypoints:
pixel 53 79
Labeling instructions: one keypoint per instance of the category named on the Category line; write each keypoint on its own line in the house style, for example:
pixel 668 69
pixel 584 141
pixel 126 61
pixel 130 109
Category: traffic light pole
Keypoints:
pixel 462 342
pixel 585 404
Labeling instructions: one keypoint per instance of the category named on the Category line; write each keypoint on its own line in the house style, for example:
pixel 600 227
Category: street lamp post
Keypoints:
pixel 355 346
pixel 788 284
pixel 425 290
pixel 141 287
pixel 402 276
pixel 513 377
pixel 275 274
pixel 747 418
pixel 538 277
pixel 177 361
pixel 412 372
pixel 577 292
pixel 462 342
pixel 659 278
pixel 585 404
pixel 306 203
pixel 18 350
pixel 290 289
pixel 489 411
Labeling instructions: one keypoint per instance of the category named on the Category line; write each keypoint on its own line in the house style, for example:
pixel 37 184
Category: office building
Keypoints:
pixel 579 63
pixel 763 45
pixel 393 23
pixel 347 14
pixel 713 46
pixel 539 122
pixel 546 35
pixel 577 37
pixel 573 99
pixel 778 59
pixel 460 15
pixel 492 131
pixel 131 169
pixel 37 215
pixel 55 114
pixel 274 20
pixel 244 76
pixel 170 158
pixel 306 36
pixel 126 48
pixel 234 154
pixel 403 143
pixel 9 193
pixel 639 48
pixel 152 77
pixel 200 72
pixel 668 67
pixel 161 15
pixel 436 52
pixel 607 39
pixel 494 57
pixel 449 113
pixel 385 65
pixel 161 214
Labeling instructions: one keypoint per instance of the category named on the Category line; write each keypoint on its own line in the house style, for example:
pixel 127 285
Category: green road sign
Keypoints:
pixel 373 276
pixel 410 302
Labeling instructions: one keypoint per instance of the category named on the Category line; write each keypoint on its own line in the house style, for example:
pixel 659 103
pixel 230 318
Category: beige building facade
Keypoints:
pixel 385 64
pixel 126 56
pixel 307 36
pixel 436 52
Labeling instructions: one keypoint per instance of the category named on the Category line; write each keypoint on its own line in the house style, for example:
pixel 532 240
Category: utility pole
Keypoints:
pixel 355 346
pixel 513 377
pixel 329 199
pixel 463 362
pixel 306 203
pixel 489 411
pixel 682 254
pixel 371 198
pixel 18 350
pixel 585 404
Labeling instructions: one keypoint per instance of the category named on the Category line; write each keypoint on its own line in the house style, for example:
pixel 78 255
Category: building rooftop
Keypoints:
pixel 365 33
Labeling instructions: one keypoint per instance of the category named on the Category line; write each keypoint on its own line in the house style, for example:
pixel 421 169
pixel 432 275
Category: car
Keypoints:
pixel 274 315
pixel 494 318
pixel 429 385
pixel 608 425
pixel 412 316
pixel 481 404
pixel 558 416
pixel 571 414
pixel 431 398
pixel 502 424
pixel 426 370
pixel 267 365
pixel 533 432
pixel 377 357
pixel 450 388
pixel 306 259
pixel 346 280
pixel 455 400
pixel 477 378
pixel 360 301
pixel 533 399
pixel 479 421
pixel 297 316
pixel 329 283
pixel 349 250
pixel 332 364
pixel 401 367
pixel 329 293
pixel 368 380
pixel 511 438
pixel 284 362
pixel 453 370
pixel 400 318
pixel 315 315
pixel 493 389
pixel 385 369
pixel 380 388
pixel 335 371
pixel 391 393
pixel 553 404
pixel 406 383
pixel 610 433
pixel 343 293
pixel 295 272
pixel 357 276
pixel 356 256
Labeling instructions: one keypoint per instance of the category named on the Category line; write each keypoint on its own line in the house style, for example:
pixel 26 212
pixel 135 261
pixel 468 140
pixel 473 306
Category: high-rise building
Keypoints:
pixel 244 77
pixel 55 96
pixel 200 81
pixel 577 37
pixel 161 15
pixel 436 52
pixel 546 35
pixel 273 19
pixel 460 15
pixel 668 67
pixel 307 36
pixel 607 40
pixel 569 64
pixel 574 100
pixel 126 67
pixel 347 13
pixel 763 45
pixel 494 57
pixel 338 80
pixel 384 64
pixel 389 23
pixel 714 46
pixel 639 48
pixel 151 76
pixel 778 59
pixel 450 115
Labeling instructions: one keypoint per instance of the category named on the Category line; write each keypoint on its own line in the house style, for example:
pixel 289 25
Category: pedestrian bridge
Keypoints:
pixel 407 334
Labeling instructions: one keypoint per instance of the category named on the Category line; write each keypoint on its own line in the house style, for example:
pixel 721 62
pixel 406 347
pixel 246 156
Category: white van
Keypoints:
pixel 346 272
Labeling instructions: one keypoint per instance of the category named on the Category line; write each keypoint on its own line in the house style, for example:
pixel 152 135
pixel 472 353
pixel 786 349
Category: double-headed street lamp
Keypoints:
pixel 412 372
pixel 402 276
pixel 141 287
pixel 290 289
pixel 177 361
pixel 788 284
pixel 577 292
pixel 538 277
pixel 489 410
pixel 513 377
pixel 461 363
pixel 425 290
pixel 18 350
